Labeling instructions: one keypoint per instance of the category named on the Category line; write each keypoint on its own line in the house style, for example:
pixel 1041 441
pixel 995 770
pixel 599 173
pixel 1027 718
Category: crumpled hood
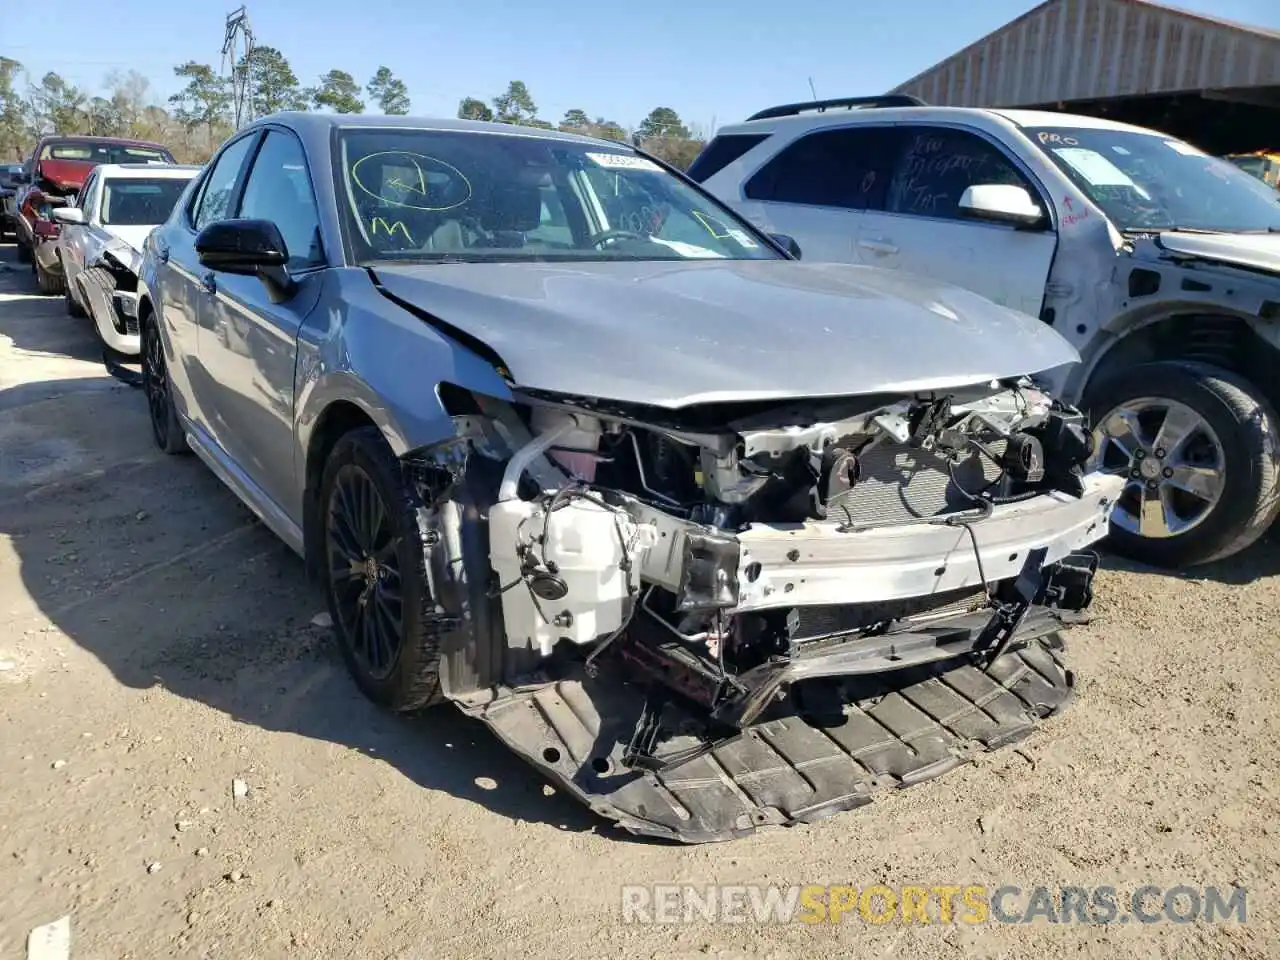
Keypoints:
pixel 678 333
pixel 1259 251
pixel 133 237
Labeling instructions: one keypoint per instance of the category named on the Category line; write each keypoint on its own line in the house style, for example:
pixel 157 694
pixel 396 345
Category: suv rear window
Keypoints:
pixel 848 167
pixel 721 152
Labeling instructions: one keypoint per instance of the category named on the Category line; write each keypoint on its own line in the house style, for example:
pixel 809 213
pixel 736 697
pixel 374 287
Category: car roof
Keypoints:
pixel 310 124
pixel 979 116
pixel 126 171
pixel 119 141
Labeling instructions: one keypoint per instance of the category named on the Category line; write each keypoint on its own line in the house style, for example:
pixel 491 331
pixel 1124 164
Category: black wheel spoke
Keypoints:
pixel 390 607
pixel 364 572
pixel 386 553
pixel 347 540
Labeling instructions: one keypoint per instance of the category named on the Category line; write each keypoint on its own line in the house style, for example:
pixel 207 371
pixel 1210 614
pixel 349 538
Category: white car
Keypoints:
pixel 100 244
pixel 1158 262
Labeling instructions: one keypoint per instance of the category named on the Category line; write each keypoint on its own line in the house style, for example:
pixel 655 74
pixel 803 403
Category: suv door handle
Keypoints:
pixel 209 283
pixel 877 245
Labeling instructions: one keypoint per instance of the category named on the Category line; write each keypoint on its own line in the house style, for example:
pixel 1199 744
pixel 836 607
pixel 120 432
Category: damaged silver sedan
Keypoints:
pixel 712 537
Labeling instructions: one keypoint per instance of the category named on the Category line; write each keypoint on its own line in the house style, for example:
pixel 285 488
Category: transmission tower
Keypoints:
pixel 237 46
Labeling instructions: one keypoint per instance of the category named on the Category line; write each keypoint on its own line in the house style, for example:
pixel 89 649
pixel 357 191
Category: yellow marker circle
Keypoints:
pixel 417 185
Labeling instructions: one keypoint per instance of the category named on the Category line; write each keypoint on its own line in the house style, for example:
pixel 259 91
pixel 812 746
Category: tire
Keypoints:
pixel 1245 426
pixel 406 677
pixel 24 252
pixel 103 279
pixel 49 283
pixel 166 426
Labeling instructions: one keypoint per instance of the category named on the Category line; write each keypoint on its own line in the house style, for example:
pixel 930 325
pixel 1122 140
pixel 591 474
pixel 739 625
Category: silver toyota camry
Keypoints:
pixel 713 536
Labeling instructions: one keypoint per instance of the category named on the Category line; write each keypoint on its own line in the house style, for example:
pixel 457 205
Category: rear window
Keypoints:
pixel 140 203
pixel 104 152
pixel 721 152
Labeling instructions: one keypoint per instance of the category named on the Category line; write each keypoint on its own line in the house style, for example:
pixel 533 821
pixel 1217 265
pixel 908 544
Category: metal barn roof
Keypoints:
pixel 1095 49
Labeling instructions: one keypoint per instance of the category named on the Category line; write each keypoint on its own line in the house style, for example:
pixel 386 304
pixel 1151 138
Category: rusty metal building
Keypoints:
pixel 1209 81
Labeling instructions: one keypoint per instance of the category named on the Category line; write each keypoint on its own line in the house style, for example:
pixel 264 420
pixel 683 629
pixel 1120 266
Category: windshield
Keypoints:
pixel 138 202
pixel 90 152
pixel 458 195
pixel 1145 182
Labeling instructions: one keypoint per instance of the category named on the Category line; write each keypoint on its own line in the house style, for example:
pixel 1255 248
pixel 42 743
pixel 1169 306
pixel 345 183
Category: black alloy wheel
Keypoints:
pixel 165 426
pixel 364 570
pixel 374 567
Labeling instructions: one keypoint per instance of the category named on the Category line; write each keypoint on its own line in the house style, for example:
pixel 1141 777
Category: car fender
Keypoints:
pixel 370 352
pixel 1150 290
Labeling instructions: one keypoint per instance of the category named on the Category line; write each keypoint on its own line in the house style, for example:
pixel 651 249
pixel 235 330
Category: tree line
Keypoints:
pixel 193 121
pixel 661 133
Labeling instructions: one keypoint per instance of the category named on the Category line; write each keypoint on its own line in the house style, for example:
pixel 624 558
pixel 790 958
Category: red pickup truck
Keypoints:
pixel 54 174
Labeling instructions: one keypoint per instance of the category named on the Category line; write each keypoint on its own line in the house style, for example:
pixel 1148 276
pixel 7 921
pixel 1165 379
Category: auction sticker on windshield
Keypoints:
pixel 622 161
pixel 1094 167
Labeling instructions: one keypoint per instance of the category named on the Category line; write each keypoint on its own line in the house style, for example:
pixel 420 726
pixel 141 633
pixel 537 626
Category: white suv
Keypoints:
pixel 1160 263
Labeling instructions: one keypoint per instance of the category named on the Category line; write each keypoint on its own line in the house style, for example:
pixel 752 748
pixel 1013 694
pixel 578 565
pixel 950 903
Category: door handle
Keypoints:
pixel 209 283
pixel 878 245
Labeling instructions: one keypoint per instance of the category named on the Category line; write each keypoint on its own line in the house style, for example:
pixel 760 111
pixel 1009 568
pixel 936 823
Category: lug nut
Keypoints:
pixel 1168 471
pixel 1151 484
pixel 1140 454
pixel 1160 452
pixel 1136 474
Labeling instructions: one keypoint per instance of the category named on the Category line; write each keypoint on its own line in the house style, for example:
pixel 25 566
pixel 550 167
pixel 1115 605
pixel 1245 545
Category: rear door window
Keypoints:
pixel 847 167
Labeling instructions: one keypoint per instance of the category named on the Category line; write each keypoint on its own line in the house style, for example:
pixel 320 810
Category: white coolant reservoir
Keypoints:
pixel 585 599
pixel 577 448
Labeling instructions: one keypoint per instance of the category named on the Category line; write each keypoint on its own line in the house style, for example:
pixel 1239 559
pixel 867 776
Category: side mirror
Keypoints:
pixel 249 248
pixel 241 246
pixel 67 215
pixel 1001 203
pixel 787 243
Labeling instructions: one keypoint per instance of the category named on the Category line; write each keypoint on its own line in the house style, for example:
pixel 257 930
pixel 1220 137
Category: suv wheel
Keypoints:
pixel 1200 449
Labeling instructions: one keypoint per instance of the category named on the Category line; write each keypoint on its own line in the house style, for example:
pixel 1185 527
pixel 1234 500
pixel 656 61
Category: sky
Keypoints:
pixel 713 61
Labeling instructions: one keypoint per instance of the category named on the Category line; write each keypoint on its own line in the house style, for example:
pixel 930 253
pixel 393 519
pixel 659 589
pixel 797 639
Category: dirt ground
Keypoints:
pixel 156 645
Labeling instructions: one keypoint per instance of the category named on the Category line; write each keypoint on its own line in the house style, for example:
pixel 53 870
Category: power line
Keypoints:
pixel 237 47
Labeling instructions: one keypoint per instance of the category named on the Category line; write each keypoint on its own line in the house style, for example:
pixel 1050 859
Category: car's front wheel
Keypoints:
pixel 166 427
pixel 375 573
pixel 1199 448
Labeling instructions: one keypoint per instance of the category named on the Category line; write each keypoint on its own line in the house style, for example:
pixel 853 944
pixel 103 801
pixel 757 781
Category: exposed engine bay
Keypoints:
pixel 687 578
